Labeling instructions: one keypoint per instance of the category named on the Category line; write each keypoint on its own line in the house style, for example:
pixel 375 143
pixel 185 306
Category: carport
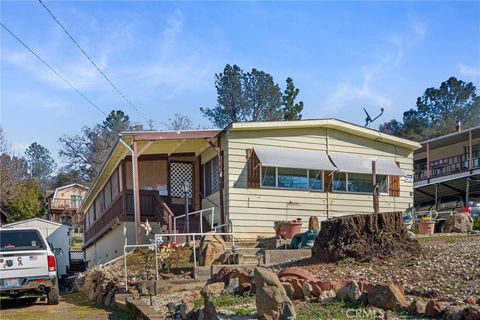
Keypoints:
pixel 465 186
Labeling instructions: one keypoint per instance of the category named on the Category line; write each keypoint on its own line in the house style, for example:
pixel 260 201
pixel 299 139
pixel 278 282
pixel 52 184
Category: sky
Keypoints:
pixel 163 56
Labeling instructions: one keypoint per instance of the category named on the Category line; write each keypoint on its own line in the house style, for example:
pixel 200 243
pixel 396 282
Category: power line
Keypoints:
pixel 53 70
pixel 92 62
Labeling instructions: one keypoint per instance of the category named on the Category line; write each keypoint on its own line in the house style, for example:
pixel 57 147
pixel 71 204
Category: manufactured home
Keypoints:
pixel 246 177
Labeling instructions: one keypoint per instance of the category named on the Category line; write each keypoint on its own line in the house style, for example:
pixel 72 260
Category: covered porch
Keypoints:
pixel 154 176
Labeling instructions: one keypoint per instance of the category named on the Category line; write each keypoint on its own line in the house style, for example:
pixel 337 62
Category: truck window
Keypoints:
pixel 11 240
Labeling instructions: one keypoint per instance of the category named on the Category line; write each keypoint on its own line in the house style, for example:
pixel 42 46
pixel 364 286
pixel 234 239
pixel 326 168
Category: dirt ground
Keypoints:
pixel 72 306
pixel 448 265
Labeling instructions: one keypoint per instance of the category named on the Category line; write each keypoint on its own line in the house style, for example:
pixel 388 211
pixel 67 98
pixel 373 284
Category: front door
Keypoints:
pixel 181 173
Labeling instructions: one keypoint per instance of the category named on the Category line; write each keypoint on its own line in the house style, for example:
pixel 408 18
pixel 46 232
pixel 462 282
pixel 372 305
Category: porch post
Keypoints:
pixel 470 151
pixel 428 161
pixel 136 191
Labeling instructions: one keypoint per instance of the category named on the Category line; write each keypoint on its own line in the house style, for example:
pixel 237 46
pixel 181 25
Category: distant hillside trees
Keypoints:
pixel 251 96
pixel 437 112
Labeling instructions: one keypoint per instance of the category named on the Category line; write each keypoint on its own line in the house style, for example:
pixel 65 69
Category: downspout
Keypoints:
pixel 134 183
pixel 327 193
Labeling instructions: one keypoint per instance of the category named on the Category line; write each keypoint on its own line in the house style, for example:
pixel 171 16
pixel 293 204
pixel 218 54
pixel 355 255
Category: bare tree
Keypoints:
pixel 179 122
pixel 13 170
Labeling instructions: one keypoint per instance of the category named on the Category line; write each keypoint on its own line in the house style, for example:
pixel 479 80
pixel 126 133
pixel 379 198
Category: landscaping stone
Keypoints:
pixel 212 250
pixel 297 288
pixel 242 275
pixel 434 309
pixel 233 286
pixel 244 287
pixel 223 275
pixel 327 295
pixel 307 290
pixel 298 273
pixel 458 223
pixel 454 312
pixel 186 309
pixel 351 292
pixel 313 224
pixel 417 307
pixel 271 298
pixel 214 289
pixel 209 310
pixel 288 289
pixel 387 297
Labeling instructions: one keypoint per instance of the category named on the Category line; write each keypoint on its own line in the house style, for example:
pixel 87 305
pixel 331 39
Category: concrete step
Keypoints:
pixel 246 251
pixel 244 244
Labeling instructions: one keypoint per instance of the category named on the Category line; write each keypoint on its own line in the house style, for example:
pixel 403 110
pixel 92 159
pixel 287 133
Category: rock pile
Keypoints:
pixel 459 223
pixel 212 250
pixel 101 283
pixel 363 237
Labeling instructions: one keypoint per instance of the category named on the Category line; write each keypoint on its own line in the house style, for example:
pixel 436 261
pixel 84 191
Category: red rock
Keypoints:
pixel 386 297
pixel 316 290
pixel 434 309
pixel 223 274
pixel 242 275
pixel 325 285
pixel 339 284
pixel 417 307
pixel 297 273
pixel 297 288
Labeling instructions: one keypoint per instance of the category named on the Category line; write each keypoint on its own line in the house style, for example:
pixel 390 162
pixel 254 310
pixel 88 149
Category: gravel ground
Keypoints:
pixel 451 267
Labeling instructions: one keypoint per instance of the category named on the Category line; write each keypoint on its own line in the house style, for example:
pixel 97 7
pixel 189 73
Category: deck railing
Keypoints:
pixel 445 166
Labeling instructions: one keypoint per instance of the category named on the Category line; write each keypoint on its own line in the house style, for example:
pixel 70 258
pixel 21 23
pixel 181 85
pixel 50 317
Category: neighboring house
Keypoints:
pixel 448 165
pixel 252 173
pixel 63 205
pixel 57 235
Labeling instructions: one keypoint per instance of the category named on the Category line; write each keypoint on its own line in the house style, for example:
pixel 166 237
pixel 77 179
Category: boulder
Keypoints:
pixel 242 275
pixel 458 223
pixel 233 286
pixel 288 289
pixel 271 298
pixel 223 275
pixel 212 248
pixel 214 289
pixel 186 309
pixel 417 307
pixel 454 312
pixel 209 310
pixel 387 297
pixel 363 237
pixel 297 288
pixel 244 287
pixel 351 292
pixel 434 309
pixel 313 224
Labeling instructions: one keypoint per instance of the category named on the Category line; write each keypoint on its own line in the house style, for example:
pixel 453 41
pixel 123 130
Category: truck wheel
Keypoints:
pixel 53 296
pixel 442 227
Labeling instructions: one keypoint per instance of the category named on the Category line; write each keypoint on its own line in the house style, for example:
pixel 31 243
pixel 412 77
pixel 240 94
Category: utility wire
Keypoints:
pixel 92 62
pixel 53 70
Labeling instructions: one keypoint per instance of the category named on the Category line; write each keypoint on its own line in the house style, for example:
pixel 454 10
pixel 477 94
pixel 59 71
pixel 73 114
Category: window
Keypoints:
pixel 269 178
pixel 359 182
pixel 21 240
pixel 292 178
pixel 210 177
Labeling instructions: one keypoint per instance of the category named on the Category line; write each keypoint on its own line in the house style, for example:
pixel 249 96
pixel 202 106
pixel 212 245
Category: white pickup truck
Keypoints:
pixel 27 265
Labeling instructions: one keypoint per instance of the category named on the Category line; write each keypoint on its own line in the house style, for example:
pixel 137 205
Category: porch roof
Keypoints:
pixel 149 143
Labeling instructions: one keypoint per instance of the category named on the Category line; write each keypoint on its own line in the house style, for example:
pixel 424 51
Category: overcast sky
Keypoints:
pixel 163 56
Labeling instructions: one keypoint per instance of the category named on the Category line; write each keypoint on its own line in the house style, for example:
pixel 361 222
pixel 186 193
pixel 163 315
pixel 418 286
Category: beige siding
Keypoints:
pixel 253 211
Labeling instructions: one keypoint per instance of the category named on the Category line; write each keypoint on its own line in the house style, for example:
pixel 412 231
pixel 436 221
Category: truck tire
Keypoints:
pixel 53 296
pixel 442 227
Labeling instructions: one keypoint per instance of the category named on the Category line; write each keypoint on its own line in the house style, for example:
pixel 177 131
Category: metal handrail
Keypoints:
pixel 201 219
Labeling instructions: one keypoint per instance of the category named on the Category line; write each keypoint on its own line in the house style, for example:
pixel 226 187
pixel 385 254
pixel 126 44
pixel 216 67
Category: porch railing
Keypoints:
pixel 445 166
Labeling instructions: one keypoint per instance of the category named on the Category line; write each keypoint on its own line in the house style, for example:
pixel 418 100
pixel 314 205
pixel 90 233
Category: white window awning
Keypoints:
pixel 359 164
pixel 294 158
